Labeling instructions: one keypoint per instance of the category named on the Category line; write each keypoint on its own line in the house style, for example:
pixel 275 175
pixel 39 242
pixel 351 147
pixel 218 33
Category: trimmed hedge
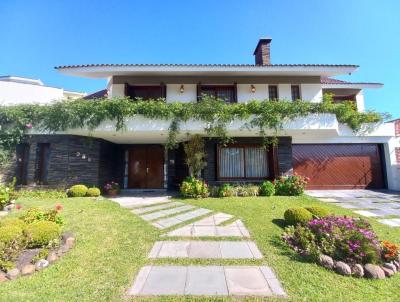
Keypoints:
pixel 267 188
pixel 78 191
pixel 42 232
pixel 93 192
pixel 318 212
pixel 294 216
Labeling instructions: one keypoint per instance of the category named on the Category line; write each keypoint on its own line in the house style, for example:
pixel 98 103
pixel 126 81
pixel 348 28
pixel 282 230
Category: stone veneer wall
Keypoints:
pixel 66 163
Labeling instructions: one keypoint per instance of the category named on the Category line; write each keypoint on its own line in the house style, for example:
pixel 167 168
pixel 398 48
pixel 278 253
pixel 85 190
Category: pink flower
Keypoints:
pixel 18 206
pixel 59 207
pixel 29 126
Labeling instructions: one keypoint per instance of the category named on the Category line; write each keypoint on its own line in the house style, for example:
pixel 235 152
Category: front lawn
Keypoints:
pixel 112 245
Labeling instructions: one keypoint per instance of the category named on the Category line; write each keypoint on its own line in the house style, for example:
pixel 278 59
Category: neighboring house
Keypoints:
pixel 317 146
pixel 18 90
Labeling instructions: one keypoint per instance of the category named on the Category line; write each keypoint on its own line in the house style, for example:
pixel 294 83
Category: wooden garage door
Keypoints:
pixel 339 166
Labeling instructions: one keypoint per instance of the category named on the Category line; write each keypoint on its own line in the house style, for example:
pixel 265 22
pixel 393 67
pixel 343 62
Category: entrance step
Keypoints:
pixel 172 221
pixel 206 281
pixel 163 213
pixel 206 250
pixel 137 202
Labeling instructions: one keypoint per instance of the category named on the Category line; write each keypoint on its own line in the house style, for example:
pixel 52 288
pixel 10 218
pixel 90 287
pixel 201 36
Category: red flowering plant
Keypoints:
pixel 112 186
pixel 18 206
pixel 293 185
pixel 59 207
pixel 347 239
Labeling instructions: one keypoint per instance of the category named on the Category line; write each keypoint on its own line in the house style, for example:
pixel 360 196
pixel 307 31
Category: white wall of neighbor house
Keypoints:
pixel 392 166
pixel 19 93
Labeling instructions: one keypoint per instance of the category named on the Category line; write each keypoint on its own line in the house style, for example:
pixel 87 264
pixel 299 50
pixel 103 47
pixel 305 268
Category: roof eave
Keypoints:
pixel 352 86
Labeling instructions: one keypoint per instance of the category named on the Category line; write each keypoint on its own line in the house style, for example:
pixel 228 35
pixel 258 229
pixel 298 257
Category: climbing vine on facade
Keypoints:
pixel 16 121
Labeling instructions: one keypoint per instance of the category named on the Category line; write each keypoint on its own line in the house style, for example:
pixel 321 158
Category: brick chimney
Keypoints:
pixel 262 51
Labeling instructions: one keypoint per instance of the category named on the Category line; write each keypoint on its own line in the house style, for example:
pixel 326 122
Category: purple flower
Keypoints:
pixel 29 126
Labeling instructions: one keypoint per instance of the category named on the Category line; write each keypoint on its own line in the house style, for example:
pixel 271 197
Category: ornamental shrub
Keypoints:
pixel 35 214
pixel 13 222
pixel 318 212
pixel 41 233
pixel 42 194
pixel 226 190
pixel 77 191
pixel 93 192
pixel 12 242
pixel 347 239
pixel 294 216
pixel 194 188
pixel 267 188
pixel 247 190
pixel 9 233
pixel 290 185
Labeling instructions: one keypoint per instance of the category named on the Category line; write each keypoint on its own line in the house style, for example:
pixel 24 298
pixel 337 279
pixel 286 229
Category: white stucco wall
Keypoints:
pixel 18 93
pixel 188 95
pixel 116 90
pixel 360 101
pixel 244 93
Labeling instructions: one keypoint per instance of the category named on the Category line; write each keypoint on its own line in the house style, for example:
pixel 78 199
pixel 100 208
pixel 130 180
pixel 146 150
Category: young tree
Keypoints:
pixel 195 156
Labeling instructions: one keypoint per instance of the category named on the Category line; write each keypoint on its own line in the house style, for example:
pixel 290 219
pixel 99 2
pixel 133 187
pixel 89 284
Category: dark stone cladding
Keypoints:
pixel 66 163
pixel 107 160
pixel 284 156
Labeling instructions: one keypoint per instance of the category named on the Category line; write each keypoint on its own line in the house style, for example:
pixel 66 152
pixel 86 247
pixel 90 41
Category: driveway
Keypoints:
pixel 383 205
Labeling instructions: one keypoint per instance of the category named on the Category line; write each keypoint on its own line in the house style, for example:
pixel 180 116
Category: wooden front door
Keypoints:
pixel 146 167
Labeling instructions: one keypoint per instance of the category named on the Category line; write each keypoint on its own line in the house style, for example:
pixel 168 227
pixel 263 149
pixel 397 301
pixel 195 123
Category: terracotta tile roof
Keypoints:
pixel 204 65
pixel 98 94
pixel 326 80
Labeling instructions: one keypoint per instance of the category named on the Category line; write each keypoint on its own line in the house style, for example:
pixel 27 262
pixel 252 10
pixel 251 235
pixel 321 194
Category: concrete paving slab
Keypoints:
pixel 174 249
pixel 163 213
pixel 366 213
pixel 174 220
pixel 205 250
pixel 394 222
pixel 235 250
pixel 246 281
pixel 204 231
pixel 134 202
pixel 206 281
pixel 157 207
pixel 165 280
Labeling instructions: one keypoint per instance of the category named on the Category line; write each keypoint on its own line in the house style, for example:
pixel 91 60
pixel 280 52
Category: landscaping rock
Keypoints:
pixel 342 268
pixel 28 270
pixel 67 235
pixel 70 242
pixel 397 264
pixel 13 274
pixel 3 277
pixel 373 271
pixel 326 261
pixel 388 271
pixel 3 213
pixel 52 257
pixel 357 270
pixel 64 248
pixel 390 266
pixel 41 264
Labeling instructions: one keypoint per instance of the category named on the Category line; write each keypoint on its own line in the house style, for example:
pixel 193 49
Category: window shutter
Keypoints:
pixel 198 92
pixel 235 100
pixel 163 90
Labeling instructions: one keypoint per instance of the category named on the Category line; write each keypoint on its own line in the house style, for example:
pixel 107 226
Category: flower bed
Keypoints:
pixel 32 242
pixel 345 244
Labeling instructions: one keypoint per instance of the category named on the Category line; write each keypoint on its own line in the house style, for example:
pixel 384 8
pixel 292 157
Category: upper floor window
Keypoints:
pixel 224 92
pixel 145 92
pixel 273 92
pixel 296 92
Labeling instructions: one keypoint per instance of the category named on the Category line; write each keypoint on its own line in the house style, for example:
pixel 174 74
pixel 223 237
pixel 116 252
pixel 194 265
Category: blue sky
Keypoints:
pixel 38 35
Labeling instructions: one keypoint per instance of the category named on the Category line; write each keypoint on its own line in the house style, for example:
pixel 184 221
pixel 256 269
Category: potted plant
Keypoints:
pixel 112 188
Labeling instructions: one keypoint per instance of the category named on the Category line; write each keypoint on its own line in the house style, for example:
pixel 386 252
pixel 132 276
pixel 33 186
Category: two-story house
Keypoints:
pixel 318 146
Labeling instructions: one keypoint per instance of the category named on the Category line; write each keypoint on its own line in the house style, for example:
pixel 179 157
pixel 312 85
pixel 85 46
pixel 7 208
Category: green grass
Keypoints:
pixel 112 245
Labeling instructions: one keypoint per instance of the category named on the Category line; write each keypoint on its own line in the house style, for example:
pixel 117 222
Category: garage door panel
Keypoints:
pixel 339 166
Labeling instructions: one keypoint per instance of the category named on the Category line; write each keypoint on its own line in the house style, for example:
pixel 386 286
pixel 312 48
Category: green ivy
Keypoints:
pixel 261 115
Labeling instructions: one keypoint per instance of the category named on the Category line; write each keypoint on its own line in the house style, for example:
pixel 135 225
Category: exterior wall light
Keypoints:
pixel 182 89
pixel 253 88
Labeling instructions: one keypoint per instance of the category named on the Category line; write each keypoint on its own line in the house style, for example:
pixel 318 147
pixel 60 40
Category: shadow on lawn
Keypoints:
pixel 279 222
pixel 284 250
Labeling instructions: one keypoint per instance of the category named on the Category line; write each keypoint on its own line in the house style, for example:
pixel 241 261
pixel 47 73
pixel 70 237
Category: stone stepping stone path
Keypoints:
pixel 163 213
pixel 155 208
pixel 206 250
pixel 364 202
pixel 206 281
pixel 178 219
